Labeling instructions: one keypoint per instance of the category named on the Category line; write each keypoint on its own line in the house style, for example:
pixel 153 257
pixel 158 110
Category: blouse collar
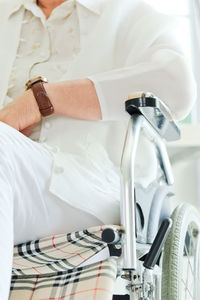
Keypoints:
pixel 95 6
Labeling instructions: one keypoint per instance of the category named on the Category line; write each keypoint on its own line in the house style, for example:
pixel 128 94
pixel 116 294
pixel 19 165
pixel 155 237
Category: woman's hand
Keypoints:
pixel 22 113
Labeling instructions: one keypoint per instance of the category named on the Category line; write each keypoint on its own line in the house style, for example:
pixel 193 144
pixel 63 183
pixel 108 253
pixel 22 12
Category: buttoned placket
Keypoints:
pixel 46 124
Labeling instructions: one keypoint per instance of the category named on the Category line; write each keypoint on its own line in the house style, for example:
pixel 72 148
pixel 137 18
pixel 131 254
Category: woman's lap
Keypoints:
pixel 37 212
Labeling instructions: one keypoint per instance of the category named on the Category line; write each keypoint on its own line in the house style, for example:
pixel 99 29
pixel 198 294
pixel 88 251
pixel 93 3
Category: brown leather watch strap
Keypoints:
pixel 43 101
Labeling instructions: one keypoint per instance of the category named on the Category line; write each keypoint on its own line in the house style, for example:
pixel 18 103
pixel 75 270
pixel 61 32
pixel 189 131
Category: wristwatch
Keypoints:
pixel 36 85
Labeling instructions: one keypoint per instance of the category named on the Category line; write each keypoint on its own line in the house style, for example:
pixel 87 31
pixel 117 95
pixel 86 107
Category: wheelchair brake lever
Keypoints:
pixel 155 251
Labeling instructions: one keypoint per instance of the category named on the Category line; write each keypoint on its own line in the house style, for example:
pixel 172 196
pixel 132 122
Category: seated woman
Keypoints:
pixel 61 141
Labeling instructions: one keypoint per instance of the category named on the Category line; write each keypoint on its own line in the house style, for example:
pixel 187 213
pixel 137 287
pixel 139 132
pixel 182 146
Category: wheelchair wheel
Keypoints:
pixel 181 264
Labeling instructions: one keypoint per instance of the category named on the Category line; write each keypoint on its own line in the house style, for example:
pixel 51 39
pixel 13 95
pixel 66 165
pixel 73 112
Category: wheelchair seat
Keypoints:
pixel 49 268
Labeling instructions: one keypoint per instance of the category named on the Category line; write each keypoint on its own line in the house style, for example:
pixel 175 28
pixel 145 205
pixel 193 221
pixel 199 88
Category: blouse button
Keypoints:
pixel 43 139
pixel 35 45
pixel 58 170
pixel 13 78
pixel 55 149
pixel 47 125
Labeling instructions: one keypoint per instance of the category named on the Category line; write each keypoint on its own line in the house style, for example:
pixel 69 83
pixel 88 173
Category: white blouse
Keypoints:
pixel 54 44
pixel 123 47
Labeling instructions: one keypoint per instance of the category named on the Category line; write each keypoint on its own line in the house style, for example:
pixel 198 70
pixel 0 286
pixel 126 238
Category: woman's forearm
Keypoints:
pixel 75 99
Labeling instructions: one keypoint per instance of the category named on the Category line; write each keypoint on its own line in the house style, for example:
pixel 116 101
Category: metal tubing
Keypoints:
pixel 136 123
pixel 127 191
pixel 166 166
pixel 163 155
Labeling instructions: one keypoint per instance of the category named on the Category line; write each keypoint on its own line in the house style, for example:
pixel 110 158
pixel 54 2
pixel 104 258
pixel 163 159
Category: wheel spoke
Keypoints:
pixel 186 284
pixel 188 259
pixel 186 289
pixel 189 272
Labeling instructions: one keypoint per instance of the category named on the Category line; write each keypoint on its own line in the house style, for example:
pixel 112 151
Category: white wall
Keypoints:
pixel 186 171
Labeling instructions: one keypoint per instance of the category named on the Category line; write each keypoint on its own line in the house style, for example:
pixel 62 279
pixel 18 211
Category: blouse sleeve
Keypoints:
pixel 162 70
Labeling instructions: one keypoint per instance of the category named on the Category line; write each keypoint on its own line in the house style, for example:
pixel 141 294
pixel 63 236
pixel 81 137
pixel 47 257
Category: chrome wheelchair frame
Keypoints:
pixel 149 115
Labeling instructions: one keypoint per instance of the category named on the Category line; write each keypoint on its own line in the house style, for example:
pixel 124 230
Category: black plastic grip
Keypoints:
pixel 132 105
pixel 158 243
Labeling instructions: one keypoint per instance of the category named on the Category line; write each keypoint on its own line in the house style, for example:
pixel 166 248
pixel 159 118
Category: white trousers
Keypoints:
pixel 28 210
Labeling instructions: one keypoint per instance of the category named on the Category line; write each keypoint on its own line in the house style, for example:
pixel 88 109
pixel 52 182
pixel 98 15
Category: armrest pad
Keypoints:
pixel 155 112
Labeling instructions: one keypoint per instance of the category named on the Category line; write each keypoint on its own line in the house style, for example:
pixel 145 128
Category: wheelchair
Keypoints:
pixel 153 255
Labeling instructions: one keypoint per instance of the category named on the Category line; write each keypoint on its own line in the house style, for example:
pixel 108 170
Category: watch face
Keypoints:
pixel 34 80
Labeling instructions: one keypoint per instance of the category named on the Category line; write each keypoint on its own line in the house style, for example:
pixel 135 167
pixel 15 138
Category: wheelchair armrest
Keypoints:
pixel 155 112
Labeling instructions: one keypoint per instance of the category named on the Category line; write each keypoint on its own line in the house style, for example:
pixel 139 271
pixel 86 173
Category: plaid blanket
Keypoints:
pixel 48 268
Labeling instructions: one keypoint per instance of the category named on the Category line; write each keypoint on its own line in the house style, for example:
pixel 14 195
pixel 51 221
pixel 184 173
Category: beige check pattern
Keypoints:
pixel 48 268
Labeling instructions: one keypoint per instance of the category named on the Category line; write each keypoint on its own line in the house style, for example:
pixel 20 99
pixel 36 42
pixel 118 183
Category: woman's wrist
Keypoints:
pixel 74 99
pixel 53 90
pixel 32 106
